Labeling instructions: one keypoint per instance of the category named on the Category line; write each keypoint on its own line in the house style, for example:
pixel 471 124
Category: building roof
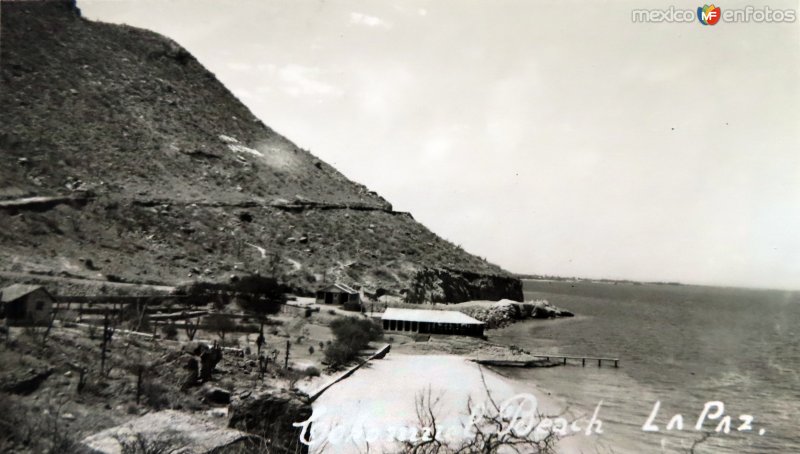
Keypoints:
pixel 16 291
pixel 339 288
pixel 424 315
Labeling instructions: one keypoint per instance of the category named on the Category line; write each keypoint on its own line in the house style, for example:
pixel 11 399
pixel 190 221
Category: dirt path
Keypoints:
pixel 82 281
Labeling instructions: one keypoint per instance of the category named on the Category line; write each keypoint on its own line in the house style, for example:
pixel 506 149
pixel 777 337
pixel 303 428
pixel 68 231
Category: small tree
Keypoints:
pixel 50 320
pixel 108 333
pixel 169 330
pixel 263 364
pixel 191 327
pixel 492 429
pixel 261 340
pixel 352 336
pixel 220 324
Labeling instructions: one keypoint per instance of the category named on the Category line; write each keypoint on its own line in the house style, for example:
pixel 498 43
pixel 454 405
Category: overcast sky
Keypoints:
pixel 551 137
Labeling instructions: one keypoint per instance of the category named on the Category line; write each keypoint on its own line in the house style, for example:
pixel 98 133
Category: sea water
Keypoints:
pixel 683 347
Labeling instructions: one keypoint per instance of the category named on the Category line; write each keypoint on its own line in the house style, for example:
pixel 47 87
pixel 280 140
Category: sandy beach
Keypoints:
pixel 379 401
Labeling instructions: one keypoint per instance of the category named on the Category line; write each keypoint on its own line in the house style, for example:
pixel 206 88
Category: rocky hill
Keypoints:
pixel 123 158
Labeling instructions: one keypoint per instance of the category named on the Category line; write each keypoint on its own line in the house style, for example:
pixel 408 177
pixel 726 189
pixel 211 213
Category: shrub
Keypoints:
pixel 170 331
pixel 337 355
pixel 155 395
pixel 221 324
pixel 352 306
pixel 352 335
pixel 357 333
pixel 311 372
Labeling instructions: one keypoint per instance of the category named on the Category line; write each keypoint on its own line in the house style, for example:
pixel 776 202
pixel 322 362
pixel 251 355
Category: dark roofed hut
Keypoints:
pixel 337 294
pixel 431 322
pixel 26 303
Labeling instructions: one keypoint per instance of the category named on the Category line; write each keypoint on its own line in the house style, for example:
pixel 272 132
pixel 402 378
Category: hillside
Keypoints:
pixel 123 158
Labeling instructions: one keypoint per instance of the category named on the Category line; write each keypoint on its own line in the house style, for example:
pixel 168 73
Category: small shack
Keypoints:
pixel 431 322
pixel 26 303
pixel 337 294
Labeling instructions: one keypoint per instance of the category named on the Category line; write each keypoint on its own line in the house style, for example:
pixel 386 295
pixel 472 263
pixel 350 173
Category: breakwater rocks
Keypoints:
pixel 445 285
pixel 506 312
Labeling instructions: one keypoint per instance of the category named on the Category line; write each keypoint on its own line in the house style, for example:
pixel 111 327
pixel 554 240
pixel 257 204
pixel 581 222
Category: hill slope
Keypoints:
pixel 146 168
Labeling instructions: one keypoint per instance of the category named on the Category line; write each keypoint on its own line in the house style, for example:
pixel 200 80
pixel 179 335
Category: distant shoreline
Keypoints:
pixel 544 278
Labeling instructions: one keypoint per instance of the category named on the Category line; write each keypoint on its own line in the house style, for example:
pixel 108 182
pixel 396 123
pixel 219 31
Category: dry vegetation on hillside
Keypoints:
pixel 176 178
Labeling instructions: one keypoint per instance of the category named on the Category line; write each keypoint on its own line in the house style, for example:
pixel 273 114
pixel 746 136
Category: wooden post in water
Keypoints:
pixel 616 363
pixel 583 362
pixel 599 363
pixel 565 360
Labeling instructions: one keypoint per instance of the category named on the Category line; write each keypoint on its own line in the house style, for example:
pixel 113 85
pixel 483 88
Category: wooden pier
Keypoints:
pixel 583 359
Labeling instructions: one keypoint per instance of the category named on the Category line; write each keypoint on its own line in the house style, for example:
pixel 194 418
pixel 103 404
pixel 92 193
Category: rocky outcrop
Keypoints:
pixel 26 384
pixel 270 413
pixel 503 313
pixel 165 431
pixel 215 395
pixel 444 285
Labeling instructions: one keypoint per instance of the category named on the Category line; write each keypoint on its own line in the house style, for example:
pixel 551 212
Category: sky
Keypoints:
pixel 551 137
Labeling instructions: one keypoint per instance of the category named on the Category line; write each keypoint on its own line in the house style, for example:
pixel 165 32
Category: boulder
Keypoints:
pixel 208 362
pixel 26 384
pixel 270 413
pixel 165 431
pixel 216 395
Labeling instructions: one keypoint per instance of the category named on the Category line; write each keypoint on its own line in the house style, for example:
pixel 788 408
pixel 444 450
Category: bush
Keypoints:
pixel 352 336
pixel 338 355
pixel 220 323
pixel 352 306
pixel 357 333
pixel 311 372
pixel 155 395
pixel 170 331
pixel 258 294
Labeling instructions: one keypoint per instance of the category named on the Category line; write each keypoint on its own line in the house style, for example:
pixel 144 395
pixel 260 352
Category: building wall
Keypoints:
pixel 432 328
pixel 336 297
pixel 38 306
pixel 33 307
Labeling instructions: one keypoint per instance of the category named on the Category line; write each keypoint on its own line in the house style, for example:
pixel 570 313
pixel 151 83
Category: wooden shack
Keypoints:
pixel 337 294
pixel 431 322
pixel 26 304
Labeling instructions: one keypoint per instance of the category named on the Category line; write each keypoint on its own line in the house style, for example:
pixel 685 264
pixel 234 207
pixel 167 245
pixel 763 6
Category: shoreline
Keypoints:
pixel 441 364
pixel 452 381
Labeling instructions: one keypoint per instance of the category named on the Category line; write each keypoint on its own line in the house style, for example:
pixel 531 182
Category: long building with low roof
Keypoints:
pixel 426 321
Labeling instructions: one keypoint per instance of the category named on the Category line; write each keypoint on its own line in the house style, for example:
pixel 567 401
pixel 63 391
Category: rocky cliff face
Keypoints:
pixel 455 286
pixel 123 156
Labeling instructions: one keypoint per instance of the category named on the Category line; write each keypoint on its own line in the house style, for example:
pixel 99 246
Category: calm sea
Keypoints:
pixel 680 345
